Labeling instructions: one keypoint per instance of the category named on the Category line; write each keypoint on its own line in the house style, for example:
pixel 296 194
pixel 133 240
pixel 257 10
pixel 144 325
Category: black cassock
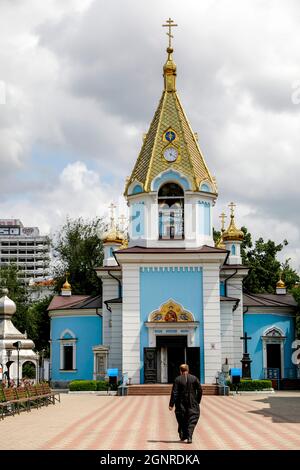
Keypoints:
pixel 186 396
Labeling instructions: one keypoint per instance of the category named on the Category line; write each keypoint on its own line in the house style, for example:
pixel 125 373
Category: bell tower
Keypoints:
pixel 170 192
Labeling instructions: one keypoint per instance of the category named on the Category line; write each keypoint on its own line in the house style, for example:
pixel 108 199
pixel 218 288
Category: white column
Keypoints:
pixel 131 322
pixel 227 332
pixel 211 317
pixel 115 353
pixel 110 290
pixel 234 289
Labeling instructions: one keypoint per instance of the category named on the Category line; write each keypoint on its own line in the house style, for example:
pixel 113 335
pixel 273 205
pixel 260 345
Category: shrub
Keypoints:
pixel 250 385
pixel 91 385
pixel 102 385
pixel 83 385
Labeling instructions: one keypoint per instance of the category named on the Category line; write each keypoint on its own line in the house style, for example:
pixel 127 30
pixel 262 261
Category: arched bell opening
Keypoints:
pixel 171 212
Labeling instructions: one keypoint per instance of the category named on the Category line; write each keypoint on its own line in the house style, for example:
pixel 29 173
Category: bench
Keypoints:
pixel 14 399
pixel 47 390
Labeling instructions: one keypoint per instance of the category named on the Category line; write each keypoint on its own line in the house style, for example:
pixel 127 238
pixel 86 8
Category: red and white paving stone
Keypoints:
pixel 145 422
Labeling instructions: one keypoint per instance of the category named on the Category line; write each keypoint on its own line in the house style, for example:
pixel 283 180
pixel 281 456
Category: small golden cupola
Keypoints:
pixel 280 286
pixel 66 289
pixel 232 238
pixel 112 240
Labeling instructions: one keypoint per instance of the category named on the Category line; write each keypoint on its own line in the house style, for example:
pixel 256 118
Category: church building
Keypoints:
pixel 170 296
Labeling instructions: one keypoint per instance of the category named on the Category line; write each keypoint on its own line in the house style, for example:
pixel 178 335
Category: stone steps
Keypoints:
pixel 165 389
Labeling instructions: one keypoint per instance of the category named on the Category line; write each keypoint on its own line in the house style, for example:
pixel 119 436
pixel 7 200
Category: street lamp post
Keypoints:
pixel 8 364
pixel 17 345
pixel 42 364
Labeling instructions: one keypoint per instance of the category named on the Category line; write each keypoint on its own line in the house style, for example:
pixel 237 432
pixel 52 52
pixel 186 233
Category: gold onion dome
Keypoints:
pixel 113 236
pixel 220 243
pixel 233 233
pixel 66 284
pixel 124 244
pixel 280 284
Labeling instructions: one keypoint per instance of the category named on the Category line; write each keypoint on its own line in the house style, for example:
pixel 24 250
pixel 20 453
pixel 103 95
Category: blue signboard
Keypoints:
pixel 112 372
pixel 235 372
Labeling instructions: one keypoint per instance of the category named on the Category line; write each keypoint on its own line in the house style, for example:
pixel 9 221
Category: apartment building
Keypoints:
pixel 24 247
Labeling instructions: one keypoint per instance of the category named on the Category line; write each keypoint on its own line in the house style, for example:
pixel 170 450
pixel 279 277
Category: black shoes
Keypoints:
pixel 185 438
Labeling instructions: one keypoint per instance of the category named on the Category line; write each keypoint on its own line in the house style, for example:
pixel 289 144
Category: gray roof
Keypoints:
pixel 269 300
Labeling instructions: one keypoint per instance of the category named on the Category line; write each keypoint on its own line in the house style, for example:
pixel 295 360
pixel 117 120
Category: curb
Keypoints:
pixel 93 392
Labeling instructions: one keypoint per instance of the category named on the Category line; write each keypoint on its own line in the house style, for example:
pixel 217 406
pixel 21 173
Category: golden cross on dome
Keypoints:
pixel 112 207
pixel 122 220
pixel 232 206
pixel 169 33
pixel 223 216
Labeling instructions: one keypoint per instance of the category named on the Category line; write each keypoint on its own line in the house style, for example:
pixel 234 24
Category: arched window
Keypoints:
pixel 171 212
pixel 68 351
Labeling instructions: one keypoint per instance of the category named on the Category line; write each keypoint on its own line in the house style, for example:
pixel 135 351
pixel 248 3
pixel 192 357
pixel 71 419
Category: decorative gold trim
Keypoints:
pixel 171 312
pixel 170 129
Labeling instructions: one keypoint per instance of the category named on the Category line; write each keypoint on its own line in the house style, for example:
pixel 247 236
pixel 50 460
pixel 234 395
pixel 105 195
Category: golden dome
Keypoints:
pixel 113 236
pixel 66 285
pixel 232 233
pixel 280 284
pixel 220 243
pixel 170 72
pixel 124 244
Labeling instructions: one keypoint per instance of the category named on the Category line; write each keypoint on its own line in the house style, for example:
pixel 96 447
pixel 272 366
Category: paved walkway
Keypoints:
pixel 97 422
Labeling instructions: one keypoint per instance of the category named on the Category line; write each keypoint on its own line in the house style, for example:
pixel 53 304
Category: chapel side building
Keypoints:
pixel 169 294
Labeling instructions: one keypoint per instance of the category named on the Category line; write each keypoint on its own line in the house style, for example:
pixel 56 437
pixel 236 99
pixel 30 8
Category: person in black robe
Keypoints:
pixel 186 396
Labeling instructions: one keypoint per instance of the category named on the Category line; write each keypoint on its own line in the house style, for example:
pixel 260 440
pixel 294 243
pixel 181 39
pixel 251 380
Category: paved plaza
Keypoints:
pixel 137 422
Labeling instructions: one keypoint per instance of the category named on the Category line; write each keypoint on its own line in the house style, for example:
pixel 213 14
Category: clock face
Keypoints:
pixel 170 154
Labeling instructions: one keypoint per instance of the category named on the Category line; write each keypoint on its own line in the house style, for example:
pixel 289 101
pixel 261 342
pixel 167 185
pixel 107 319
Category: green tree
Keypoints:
pixel 78 250
pixel 265 268
pixel 296 294
pixel 9 278
pixel 39 321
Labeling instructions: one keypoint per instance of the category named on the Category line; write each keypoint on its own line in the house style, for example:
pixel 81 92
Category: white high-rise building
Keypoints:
pixel 24 247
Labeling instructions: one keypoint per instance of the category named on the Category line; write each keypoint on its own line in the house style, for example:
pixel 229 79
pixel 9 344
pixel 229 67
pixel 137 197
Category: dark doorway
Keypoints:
pixel 193 360
pixel 177 346
pixel 274 357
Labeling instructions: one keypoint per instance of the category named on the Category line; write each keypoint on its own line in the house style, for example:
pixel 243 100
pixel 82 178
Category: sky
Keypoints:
pixel 80 81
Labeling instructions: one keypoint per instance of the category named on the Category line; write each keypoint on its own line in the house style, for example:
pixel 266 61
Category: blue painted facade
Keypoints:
pixel 204 218
pixel 256 325
pixel 184 286
pixel 222 288
pixel 88 333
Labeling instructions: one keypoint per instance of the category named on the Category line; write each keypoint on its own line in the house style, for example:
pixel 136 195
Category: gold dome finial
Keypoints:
pixel 220 242
pixel 222 216
pixel 232 233
pixel 170 66
pixel 67 285
pixel 280 284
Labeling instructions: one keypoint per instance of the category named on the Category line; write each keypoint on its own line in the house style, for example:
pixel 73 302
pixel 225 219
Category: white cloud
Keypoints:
pixel 82 81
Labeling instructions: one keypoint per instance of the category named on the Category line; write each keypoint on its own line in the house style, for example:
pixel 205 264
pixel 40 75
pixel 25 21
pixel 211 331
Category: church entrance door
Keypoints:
pixel 173 351
pixel 274 356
